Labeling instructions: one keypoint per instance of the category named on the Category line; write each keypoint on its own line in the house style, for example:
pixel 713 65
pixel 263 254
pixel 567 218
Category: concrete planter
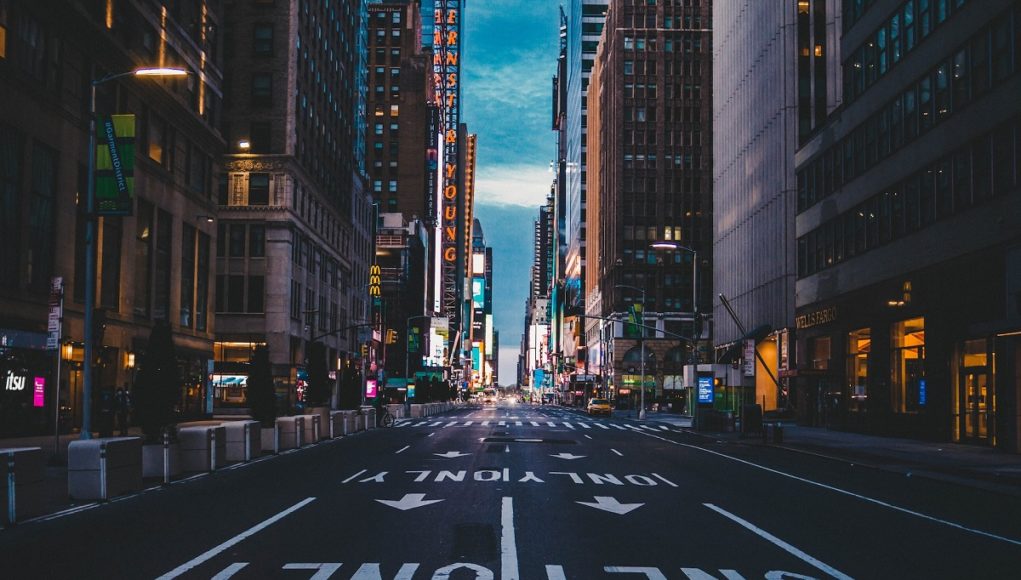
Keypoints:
pixel 154 460
pixel 104 468
pixel 244 440
pixel 359 423
pixel 324 421
pixel 25 498
pixel 268 440
pixel 345 420
pixel 291 432
pixel 203 448
pixel 370 417
pixel 312 429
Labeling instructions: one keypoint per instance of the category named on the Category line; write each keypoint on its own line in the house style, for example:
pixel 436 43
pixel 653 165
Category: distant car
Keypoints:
pixel 598 407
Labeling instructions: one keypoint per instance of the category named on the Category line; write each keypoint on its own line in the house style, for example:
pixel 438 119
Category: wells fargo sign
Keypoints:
pixel 810 319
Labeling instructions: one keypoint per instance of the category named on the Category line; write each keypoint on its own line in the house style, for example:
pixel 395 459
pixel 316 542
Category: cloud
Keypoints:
pixel 521 185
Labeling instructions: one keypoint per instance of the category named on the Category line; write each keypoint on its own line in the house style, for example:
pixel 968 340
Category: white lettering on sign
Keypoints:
pixel 421 475
pixel 505 475
pixel 607 478
pixel 574 476
pixel 378 478
pixel 15 383
pixel 529 476
pixel 323 571
pixel 459 476
pixel 650 573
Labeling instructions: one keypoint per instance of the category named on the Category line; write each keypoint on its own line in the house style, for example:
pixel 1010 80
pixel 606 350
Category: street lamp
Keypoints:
pixel 668 245
pixel 641 342
pixel 90 234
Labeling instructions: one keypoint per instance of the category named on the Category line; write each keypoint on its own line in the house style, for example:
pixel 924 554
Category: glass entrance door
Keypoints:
pixel 975 406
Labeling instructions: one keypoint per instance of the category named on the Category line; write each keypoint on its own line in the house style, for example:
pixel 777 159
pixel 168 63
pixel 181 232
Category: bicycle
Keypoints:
pixel 385 418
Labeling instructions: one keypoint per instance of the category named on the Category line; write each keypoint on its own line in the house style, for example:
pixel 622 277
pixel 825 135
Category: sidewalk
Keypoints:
pixel 969 465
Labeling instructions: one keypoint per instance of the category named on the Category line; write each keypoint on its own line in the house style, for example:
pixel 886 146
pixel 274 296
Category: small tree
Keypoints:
pixel 318 392
pixel 262 398
pixel 158 385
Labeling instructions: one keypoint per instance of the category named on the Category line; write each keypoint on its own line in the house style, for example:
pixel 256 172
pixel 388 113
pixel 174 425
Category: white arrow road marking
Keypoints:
pixel 409 501
pixel 567 456
pixel 611 504
pixel 451 454
pixel 212 553
pixel 780 543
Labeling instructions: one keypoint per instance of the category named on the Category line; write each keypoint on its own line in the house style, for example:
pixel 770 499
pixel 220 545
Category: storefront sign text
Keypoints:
pixel 824 316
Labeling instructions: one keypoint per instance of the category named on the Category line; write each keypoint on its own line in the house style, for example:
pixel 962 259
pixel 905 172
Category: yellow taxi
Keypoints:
pixel 598 406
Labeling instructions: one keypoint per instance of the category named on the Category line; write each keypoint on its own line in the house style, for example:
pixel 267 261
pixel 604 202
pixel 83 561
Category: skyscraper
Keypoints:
pixel 650 159
pixel 908 260
pixel 754 138
pixel 293 207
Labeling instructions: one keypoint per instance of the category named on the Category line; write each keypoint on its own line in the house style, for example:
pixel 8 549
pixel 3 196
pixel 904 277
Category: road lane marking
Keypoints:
pixel 780 543
pixel 649 573
pixel 403 449
pixel 665 480
pixel 354 476
pixel 431 434
pixel 617 452
pixel 323 570
pixel 587 436
pixel 555 572
pixel 230 571
pixel 212 553
pixel 508 544
pixel 865 498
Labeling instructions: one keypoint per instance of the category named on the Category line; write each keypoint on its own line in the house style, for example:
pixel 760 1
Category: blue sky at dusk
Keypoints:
pixel 509 59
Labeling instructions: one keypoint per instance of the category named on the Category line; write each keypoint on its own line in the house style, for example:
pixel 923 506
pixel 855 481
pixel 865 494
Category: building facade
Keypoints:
pixel 908 244
pixel 755 128
pixel 154 260
pixel 651 146
pixel 292 202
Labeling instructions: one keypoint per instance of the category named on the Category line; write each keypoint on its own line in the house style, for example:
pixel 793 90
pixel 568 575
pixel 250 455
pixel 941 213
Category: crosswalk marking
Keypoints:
pixel 468 423
pixel 585 425
pixel 534 424
pixel 568 425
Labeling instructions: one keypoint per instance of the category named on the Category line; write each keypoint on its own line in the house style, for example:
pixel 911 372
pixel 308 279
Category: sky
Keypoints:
pixel 509 59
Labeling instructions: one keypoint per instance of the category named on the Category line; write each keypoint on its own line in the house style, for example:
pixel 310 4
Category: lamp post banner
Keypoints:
pixel 115 166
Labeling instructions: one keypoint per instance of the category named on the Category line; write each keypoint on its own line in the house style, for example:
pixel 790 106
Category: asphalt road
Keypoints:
pixel 533 493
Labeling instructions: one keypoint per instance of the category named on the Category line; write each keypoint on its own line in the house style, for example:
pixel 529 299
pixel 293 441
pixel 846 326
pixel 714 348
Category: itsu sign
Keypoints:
pixel 15 382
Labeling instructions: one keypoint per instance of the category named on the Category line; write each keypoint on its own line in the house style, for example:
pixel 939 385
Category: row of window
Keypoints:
pixel 909 25
pixel 981 64
pixel 968 177
pixel 306 254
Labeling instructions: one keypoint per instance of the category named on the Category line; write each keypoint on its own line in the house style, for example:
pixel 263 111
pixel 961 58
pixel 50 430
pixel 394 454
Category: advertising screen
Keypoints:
pixel 478 293
pixel 370 389
pixel 705 389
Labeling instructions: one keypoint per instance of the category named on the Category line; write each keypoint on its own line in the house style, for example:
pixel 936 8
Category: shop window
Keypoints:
pixel 907 366
pixel 819 352
pixel 859 345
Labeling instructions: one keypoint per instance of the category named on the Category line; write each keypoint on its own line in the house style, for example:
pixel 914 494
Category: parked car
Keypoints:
pixel 598 406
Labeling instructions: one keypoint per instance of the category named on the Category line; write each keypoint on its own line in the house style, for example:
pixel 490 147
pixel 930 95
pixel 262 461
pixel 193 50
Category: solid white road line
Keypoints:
pixel 617 452
pixel 780 543
pixel 508 544
pixel 354 476
pixel 865 498
pixel 403 449
pixel 235 540
pixel 587 436
pixel 229 571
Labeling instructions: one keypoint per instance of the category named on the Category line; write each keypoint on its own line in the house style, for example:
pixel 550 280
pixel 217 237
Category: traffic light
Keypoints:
pixel 391 336
pixel 365 351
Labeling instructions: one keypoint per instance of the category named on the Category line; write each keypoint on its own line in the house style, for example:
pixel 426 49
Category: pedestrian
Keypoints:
pixel 123 406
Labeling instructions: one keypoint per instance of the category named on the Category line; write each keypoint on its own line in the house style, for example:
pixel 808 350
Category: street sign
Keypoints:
pixel 56 313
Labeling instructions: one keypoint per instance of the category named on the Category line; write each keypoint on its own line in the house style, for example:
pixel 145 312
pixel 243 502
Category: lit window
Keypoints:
pixel 395 110
pixel 907 366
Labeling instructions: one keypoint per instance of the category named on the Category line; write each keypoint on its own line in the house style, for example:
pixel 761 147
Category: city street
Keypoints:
pixel 517 491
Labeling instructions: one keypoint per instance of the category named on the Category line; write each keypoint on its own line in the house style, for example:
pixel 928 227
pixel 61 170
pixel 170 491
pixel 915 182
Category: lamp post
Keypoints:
pixel 90 235
pixel 641 342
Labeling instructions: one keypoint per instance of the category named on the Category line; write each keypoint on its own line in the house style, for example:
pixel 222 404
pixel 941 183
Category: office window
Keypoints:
pixel 159 143
pixel 187 275
pixel 256 294
pixel 257 240
pixel 161 286
pixel 262 89
pixel 143 258
pixel 907 365
pixel 237 241
pixel 39 253
pixel 259 137
pixel 258 189
pixel 262 39
pixel 202 284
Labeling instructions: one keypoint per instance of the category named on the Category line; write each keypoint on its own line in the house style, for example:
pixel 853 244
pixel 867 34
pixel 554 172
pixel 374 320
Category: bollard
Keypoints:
pixel 11 494
pixel 315 428
pixel 778 433
pixel 248 442
pixel 211 436
pixel 102 471
pixel 166 457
